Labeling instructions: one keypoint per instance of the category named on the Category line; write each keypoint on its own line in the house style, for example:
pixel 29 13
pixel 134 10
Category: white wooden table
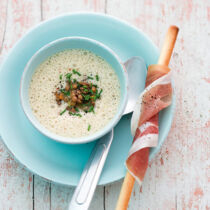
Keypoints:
pixel 179 177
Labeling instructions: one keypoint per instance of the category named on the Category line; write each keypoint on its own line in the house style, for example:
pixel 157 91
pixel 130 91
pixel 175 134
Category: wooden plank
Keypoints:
pixel 16 183
pixel 61 195
pixel 178 178
pixel 42 194
pixel 56 7
pixel 3 18
pixel 21 16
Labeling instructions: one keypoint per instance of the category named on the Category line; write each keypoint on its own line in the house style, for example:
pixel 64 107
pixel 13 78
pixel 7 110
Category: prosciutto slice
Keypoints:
pixel 144 123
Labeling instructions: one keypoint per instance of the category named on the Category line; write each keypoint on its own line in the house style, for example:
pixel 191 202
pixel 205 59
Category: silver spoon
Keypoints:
pixel 84 191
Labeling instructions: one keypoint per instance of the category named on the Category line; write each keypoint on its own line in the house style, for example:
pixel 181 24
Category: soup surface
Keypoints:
pixel 51 99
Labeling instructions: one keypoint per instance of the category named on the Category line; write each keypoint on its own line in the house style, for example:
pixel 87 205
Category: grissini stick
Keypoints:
pixel 164 59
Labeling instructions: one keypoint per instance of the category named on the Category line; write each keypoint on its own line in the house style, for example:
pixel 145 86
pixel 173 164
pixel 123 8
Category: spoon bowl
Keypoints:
pixel 136 69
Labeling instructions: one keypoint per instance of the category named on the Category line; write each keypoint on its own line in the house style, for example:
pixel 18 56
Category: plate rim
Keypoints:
pixel 84 13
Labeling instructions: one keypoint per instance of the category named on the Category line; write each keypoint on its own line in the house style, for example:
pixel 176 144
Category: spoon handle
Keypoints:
pixel 84 191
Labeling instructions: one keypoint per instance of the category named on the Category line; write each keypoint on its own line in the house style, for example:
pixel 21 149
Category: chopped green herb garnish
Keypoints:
pixel 66 93
pixel 86 90
pixel 76 72
pixel 89 127
pixel 98 95
pixel 68 76
pixel 75 114
pixel 63 112
pixel 91 109
pixel 93 97
pixel 77 110
pixel 74 80
pixel 61 76
pixel 90 77
pixel 86 97
pixel 100 91
pixel 97 77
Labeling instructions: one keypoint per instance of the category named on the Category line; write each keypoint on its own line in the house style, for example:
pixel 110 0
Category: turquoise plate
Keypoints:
pixel 55 161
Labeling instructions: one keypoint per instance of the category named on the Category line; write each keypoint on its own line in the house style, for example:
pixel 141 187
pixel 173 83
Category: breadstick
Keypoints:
pixel 164 59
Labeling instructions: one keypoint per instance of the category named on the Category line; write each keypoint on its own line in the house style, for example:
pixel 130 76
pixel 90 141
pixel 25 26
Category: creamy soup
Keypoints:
pixel 74 93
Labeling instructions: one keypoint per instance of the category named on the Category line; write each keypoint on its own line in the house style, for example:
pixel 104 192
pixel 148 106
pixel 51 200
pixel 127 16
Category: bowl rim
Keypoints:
pixel 70 140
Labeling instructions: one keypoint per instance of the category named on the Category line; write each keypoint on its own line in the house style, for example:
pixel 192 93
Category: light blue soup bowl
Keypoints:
pixel 73 43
